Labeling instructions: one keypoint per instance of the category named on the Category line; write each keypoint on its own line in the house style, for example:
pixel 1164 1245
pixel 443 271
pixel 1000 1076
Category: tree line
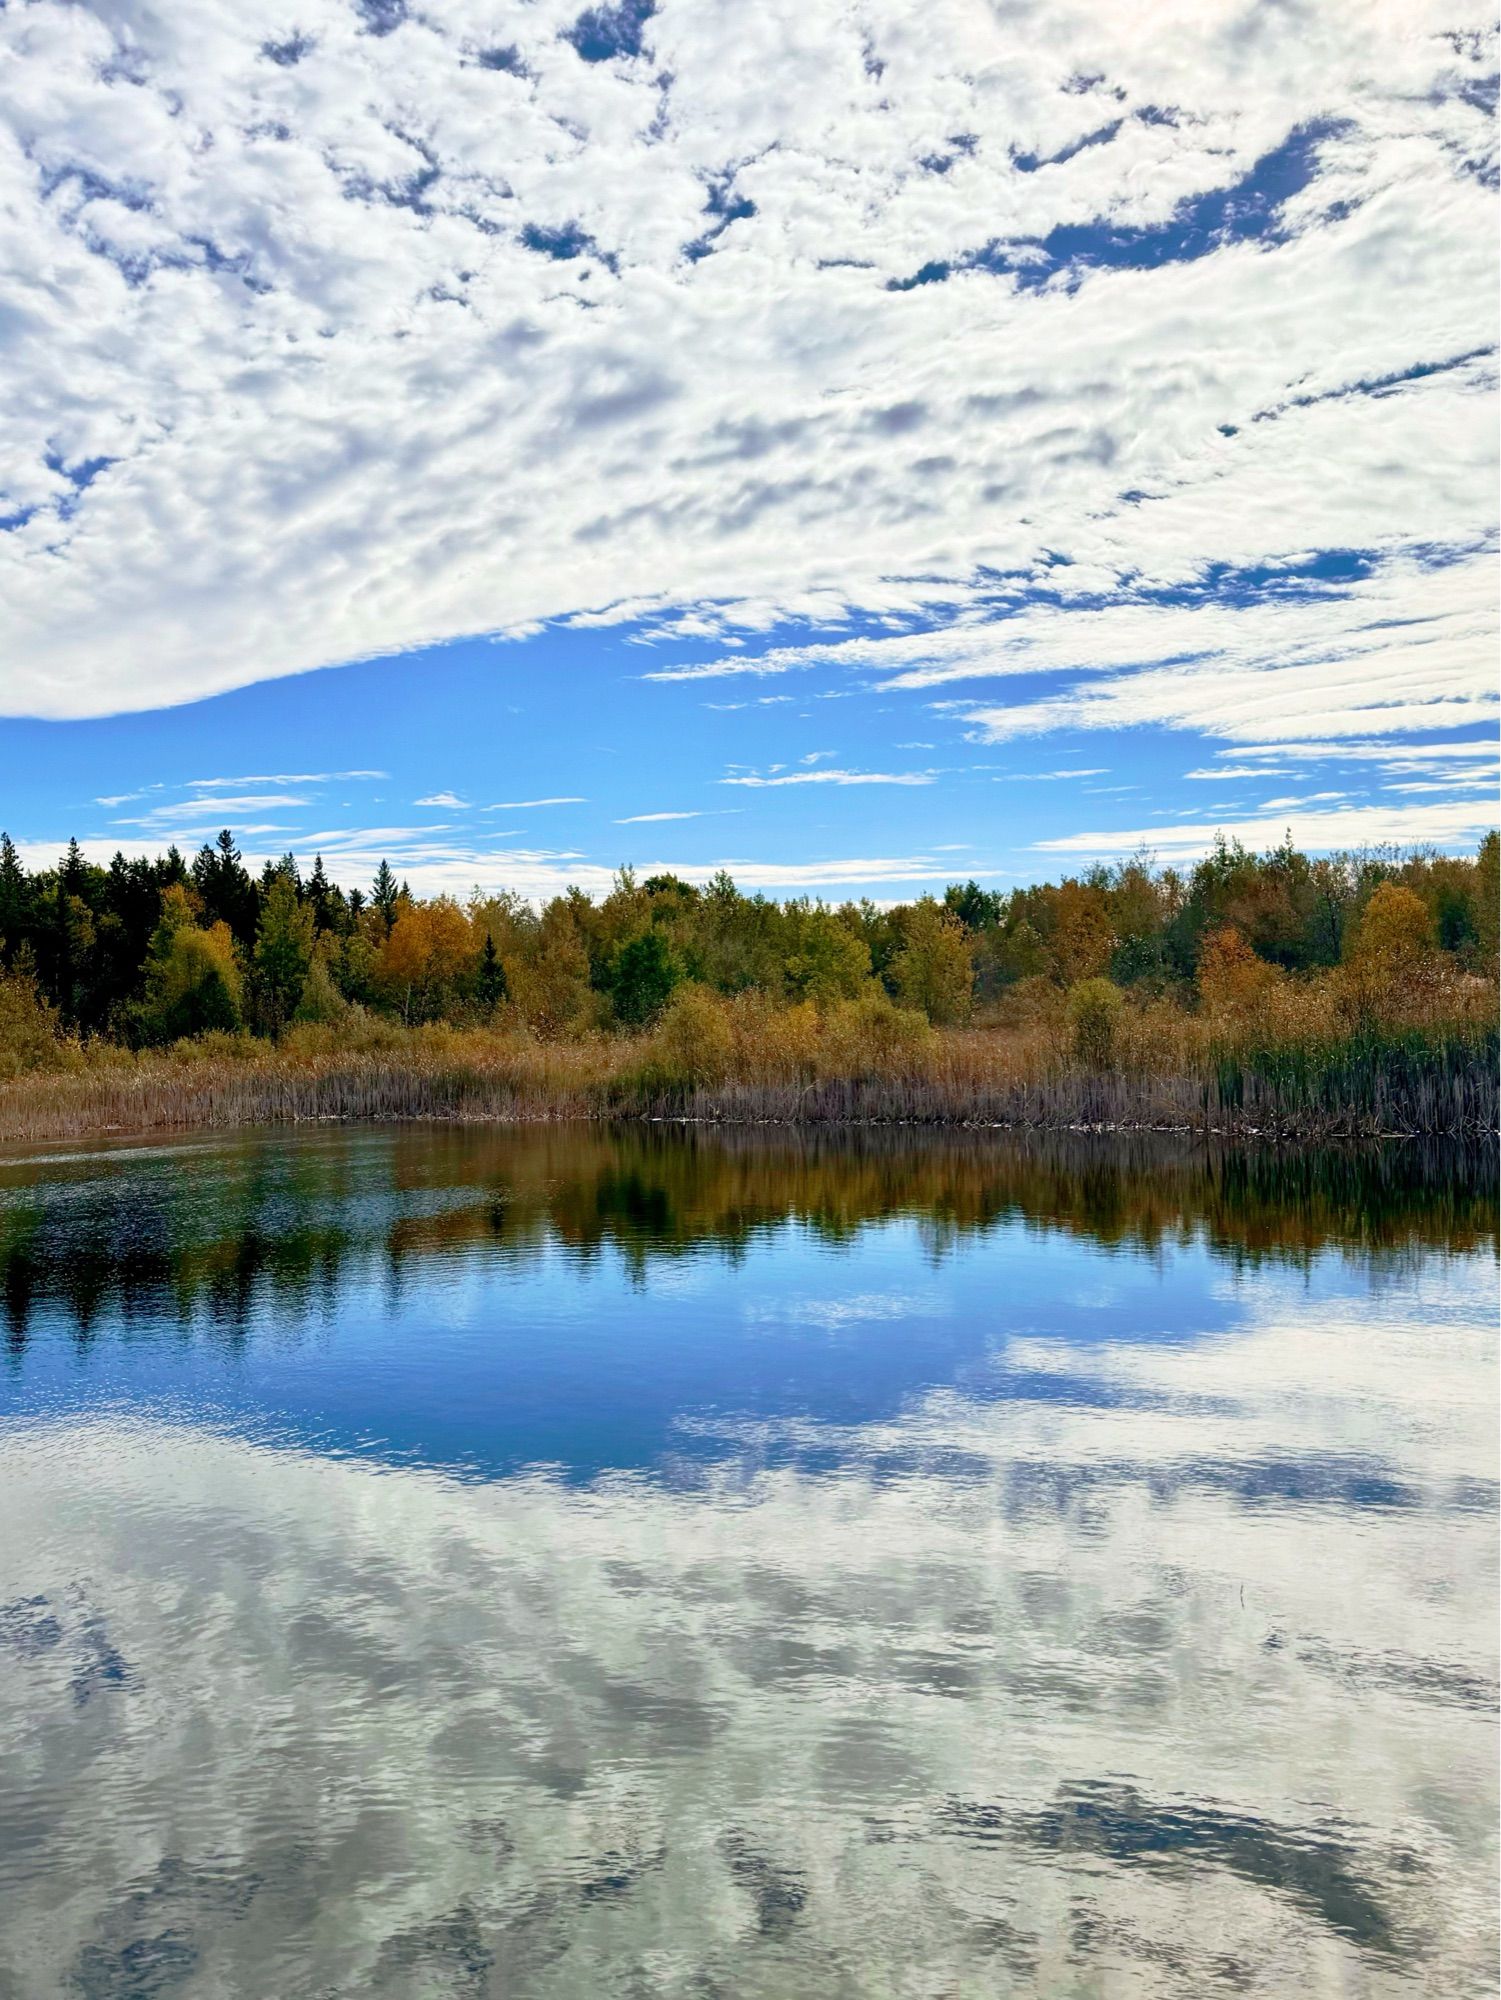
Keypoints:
pixel 148 951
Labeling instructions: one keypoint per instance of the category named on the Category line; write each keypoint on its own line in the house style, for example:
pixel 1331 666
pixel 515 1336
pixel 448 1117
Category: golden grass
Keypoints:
pixel 1294 1069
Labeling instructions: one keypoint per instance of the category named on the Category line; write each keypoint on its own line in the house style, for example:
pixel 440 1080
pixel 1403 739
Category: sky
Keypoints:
pixel 858 443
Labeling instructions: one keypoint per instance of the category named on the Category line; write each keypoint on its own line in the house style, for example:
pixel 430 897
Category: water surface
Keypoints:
pixel 458 1562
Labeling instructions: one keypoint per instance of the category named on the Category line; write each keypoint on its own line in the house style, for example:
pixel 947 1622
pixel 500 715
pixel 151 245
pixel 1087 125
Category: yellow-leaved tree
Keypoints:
pixel 933 970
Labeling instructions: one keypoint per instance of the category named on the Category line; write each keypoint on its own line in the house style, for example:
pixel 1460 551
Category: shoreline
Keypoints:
pixel 105 1106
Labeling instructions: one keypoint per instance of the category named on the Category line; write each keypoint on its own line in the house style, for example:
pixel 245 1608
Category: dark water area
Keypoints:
pixel 451 1561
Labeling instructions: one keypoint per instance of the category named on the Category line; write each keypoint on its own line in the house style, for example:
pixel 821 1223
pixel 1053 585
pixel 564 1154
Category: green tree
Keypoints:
pixel 1487 895
pixel 643 973
pixel 384 894
pixel 321 999
pixel 933 970
pixel 192 978
pixel 825 958
pixel 15 900
pixel 283 953
pixel 490 985
pixel 225 888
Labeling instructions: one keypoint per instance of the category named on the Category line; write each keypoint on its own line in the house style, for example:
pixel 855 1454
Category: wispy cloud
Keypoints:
pixel 648 819
pixel 527 805
pixel 443 799
pixel 835 778
pixel 285 778
pixel 1354 826
pixel 1049 777
pixel 198 808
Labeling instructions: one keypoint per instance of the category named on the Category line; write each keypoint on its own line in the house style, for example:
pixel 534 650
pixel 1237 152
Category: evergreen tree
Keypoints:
pixel 384 894
pixel 15 900
pixel 490 988
pixel 321 898
pixel 225 888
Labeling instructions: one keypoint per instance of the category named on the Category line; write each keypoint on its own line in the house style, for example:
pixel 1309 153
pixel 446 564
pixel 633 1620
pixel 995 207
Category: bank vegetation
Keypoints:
pixel 1352 995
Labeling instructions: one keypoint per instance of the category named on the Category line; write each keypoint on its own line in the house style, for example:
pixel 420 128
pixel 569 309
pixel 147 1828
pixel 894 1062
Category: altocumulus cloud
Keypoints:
pixel 928 313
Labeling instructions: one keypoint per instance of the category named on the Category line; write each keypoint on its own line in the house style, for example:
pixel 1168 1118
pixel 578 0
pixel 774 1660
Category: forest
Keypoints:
pixel 1348 981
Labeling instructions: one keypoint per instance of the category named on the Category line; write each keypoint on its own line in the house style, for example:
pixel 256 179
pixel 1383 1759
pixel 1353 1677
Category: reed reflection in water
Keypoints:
pixel 454 1562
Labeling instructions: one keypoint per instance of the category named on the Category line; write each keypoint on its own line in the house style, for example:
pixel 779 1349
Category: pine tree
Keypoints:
pixel 224 885
pixel 320 895
pixel 491 986
pixel 384 894
pixel 15 899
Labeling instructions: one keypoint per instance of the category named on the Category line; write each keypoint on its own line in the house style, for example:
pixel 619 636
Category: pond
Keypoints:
pixel 457 1561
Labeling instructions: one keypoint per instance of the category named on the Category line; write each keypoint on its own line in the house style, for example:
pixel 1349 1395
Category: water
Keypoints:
pixel 444 1562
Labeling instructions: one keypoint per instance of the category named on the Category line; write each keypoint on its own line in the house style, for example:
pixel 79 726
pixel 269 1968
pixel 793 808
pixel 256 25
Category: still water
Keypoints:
pixel 458 1562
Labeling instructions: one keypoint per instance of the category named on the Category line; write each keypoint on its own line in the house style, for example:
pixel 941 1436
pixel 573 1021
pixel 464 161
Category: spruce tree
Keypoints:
pixel 491 986
pixel 383 893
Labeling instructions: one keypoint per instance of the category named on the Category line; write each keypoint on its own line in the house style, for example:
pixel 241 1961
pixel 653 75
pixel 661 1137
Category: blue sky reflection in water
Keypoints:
pixel 562 1563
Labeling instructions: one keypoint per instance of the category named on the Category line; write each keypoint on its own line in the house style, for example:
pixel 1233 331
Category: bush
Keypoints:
pixel 1094 1007
pixel 694 1044
pixel 872 1036
pixel 30 1037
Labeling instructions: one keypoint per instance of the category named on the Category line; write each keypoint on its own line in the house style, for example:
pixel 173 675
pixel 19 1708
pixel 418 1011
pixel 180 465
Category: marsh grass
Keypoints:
pixel 1308 1076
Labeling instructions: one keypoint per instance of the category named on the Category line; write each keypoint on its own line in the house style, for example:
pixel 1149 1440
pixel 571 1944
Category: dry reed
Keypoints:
pixel 748 1062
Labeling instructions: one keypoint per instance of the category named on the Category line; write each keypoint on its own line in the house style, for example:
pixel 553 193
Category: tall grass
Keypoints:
pixel 747 1061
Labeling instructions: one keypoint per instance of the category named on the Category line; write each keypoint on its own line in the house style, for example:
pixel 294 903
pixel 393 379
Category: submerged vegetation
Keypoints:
pixel 1349 994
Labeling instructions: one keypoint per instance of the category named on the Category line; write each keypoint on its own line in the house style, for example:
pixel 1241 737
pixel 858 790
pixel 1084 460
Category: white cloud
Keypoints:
pixel 837 778
pixel 648 819
pixel 195 809
pixel 284 778
pixel 1049 777
pixel 436 862
pixel 318 390
pixel 527 805
pixel 1456 822
pixel 1307 799
pixel 1242 771
pixel 443 799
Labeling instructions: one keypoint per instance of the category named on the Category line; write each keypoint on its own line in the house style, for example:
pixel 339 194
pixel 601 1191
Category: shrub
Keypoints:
pixel 694 1043
pixel 872 1036
pixel 30 1036
pixel 1094 1007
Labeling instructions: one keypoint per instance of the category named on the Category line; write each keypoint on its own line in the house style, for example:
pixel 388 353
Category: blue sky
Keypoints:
pixel 861 447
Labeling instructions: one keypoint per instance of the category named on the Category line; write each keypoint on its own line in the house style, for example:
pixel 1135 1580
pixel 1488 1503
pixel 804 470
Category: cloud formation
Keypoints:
pixel 335 341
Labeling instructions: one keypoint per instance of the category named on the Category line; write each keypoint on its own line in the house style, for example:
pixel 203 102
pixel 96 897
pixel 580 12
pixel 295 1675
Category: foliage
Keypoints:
pixel 193 982
pixel 932 971
pixel 1362 980
pixel 283 951
pixel 321 1000
pixel 31 1040
pixel 642 974
pixel 1094 1007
